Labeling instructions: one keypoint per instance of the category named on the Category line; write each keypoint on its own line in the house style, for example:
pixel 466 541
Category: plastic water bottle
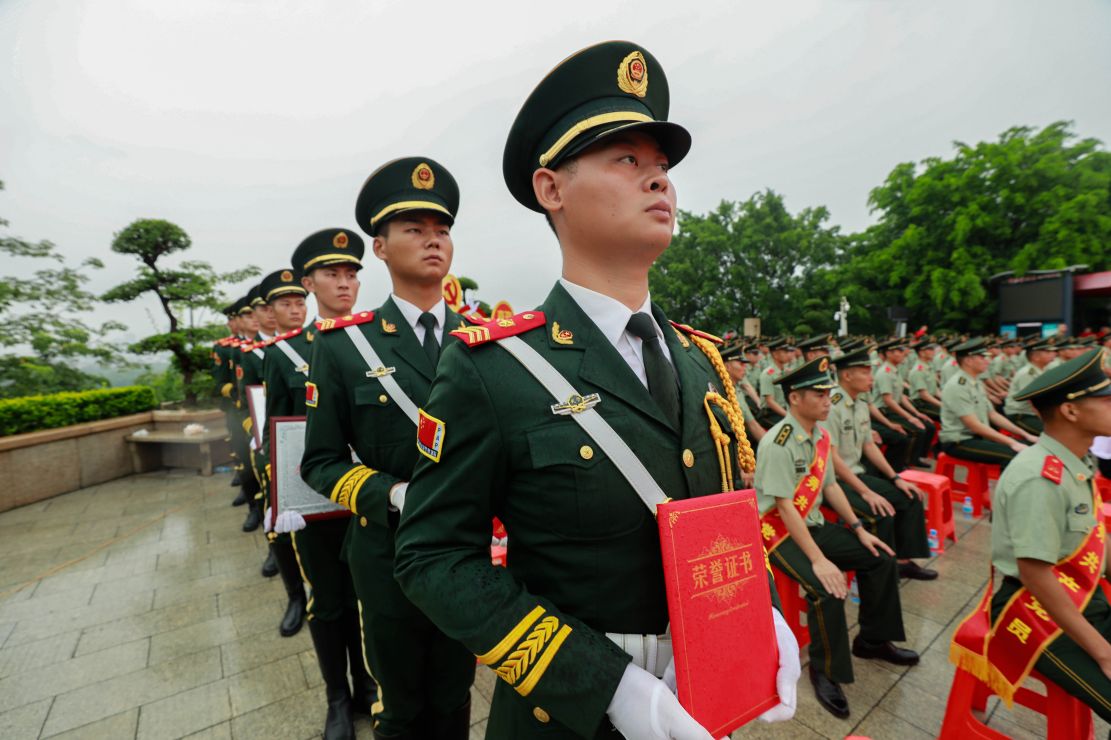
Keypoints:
pixel 967 508
pixel 935 545
pixel 854 592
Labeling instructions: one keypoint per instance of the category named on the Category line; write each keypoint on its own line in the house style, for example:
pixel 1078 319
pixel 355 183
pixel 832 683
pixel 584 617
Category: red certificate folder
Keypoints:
pixel 721 610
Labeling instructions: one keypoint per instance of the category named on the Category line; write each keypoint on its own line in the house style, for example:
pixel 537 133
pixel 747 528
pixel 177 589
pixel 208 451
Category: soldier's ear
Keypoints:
pixel 379 247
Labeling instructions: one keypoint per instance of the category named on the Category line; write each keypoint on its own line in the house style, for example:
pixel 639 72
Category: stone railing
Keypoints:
pixel 38 465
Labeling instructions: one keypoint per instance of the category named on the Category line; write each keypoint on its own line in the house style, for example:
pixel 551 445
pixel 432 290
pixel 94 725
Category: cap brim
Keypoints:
pixel 672 138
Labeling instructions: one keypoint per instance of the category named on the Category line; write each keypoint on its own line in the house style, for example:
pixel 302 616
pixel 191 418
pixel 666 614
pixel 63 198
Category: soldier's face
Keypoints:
pixel 810 404
pixel 1042 357
pixel 618 194
pixel 264 314
pixel 1091 414
pixel 416 247
pixel 857 379
pixel 247 323
pixel 736 369
pixel 289 311
pixel 926 354
pixel 336 287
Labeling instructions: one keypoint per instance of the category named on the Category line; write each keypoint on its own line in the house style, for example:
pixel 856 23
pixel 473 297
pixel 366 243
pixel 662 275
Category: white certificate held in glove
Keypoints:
pixel 288 492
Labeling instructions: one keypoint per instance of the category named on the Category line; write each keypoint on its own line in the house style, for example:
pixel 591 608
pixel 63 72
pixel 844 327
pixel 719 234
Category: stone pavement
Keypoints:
pixel 136 609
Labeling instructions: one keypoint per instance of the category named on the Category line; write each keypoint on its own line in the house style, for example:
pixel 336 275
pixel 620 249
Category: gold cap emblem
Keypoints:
pixel 632 75
pixel 422 178
pixel 339 241
pixel 823 365
pixel 286 276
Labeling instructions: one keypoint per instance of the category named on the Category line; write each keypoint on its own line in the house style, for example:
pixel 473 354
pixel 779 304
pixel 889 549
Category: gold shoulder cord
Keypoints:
pixel 746 460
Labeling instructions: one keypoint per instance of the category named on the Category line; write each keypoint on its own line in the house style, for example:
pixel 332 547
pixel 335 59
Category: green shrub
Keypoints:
pixel 35 413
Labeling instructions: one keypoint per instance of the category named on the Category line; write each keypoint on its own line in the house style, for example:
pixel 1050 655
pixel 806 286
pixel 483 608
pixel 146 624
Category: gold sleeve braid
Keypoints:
pixel 521 660
pixel 745 457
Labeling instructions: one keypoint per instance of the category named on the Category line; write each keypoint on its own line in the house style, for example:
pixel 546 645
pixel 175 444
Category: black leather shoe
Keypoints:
pixel 270 565
pixel 914 571
pixel 829 694
pixel 240 499
pixel 253 520
pixel 884 651
pixel 235 481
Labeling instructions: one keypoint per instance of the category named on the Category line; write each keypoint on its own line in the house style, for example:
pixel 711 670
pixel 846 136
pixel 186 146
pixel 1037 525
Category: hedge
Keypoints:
pixel 35 413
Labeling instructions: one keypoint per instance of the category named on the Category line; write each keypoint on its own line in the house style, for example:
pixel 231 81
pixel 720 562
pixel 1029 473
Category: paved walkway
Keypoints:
pixel 136 609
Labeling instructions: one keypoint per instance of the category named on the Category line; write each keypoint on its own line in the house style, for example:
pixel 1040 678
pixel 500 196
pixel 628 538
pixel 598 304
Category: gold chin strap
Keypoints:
pixel 746 460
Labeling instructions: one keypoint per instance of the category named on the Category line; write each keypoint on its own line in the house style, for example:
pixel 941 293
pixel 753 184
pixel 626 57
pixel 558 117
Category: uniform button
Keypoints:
pixel 688 458
pixel 585 452
pixel 383 398
pixel 362 521
pixel 541 715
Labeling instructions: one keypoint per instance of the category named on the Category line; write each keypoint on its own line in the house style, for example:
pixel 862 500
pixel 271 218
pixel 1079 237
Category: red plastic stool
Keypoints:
pixel 975 483
pixel 939 504
pixel 794 606
pixel 1067 718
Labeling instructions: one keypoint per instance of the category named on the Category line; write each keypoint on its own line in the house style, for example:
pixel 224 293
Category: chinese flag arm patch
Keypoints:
pixel 1052 468
pixel 430 436
pixel 312 395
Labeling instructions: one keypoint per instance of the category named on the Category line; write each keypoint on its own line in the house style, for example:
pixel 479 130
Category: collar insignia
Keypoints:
pixel 561 336
pixel 388 327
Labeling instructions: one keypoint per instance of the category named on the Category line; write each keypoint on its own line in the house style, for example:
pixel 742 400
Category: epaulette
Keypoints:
pixel 696 333
pixel 784 435
pixel 835 398
pixel 287 335
pixel 1052 468
pixel 961 380
pixel 350 320
pixel 489 331
pixel 475 318
pixel 250 346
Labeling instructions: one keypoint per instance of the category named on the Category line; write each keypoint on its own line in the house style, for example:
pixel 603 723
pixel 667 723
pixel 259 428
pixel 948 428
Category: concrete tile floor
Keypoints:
pixel 135 609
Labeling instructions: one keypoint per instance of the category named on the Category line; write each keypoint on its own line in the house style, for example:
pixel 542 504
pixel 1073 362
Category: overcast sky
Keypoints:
pixel 252 123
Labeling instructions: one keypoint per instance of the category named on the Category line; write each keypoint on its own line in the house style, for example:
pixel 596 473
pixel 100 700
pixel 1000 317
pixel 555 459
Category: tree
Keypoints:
pixel 185 293
pixel 42 333
pixel 1031 200
pixel 752 258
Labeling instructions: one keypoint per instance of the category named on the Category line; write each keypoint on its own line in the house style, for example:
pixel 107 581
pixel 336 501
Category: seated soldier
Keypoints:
pixel 968 422
pixel 889 396
pixel 737 364
pixel 793 477
pixel 816 346
pixel 782 352
pixel 1022 413
pixel 1049 543
pixel 925 392
pixel 891 508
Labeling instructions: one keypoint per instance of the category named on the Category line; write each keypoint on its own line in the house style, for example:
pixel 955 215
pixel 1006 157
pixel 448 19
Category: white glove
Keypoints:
pixel 397 495
pixel 289 521
pixel 787 677
pixel 642 708
pixel 267 526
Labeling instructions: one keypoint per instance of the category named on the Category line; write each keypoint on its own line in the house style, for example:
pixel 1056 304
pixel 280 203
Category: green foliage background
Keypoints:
pixel 32 413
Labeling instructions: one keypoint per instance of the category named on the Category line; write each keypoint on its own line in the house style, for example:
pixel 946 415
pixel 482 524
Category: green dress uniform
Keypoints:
pixel 333 612
pixel 1046 518
pixel 249 372
pixel 923 378
pixel 424 677
pixel 963 395
pixel 948 369
pixel 849 427
pixel 584 566
pixel 784 458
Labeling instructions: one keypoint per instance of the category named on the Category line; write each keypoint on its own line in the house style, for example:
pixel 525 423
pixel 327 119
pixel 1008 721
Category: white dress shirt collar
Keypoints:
pixel 610 315
pixel 412 316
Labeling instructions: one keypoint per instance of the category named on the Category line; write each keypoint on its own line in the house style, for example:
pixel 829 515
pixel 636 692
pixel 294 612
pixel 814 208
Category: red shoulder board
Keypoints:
pixel 696 333
pixel 1052 468
pixel 475 318
pixel 489 331
pixel 246 346
pixel 350 320
pixel 287 335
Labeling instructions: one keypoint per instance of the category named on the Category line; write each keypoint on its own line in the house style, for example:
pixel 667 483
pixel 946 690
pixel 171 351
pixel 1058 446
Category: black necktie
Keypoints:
pixel 431 346
pixel 663 383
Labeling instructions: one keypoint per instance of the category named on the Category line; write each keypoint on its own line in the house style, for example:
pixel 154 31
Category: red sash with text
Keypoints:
pixel 772 528
pixel 1002 655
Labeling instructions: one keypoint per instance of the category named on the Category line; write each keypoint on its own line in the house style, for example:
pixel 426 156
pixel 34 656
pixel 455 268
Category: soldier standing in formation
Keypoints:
pixel 371 371
pixel 591 149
